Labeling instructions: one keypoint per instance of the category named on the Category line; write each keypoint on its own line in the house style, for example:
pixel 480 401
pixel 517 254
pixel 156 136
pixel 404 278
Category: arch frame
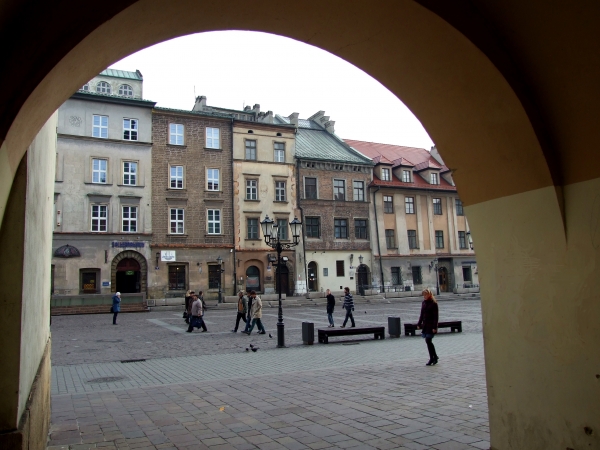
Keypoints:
pixel 129 254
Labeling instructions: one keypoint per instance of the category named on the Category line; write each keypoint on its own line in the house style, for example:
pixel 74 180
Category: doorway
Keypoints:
pixel 253 279
pixel 362 278
pixel 284 278
pixel 313 277
pixel 128 276
pixel 443 279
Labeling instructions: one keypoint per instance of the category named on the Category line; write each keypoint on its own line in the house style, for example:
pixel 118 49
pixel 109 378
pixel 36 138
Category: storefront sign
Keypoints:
pixel 168 256
pixel 123 244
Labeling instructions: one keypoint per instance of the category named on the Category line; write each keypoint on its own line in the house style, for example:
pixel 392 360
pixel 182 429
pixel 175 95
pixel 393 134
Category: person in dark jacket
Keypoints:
pixel 241 310
pixel 249 318
pixel 428 322
pixel 116 307
pixel 348 306
pixel 330 307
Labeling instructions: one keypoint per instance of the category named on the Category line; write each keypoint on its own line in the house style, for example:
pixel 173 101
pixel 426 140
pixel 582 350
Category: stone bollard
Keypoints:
pixel 394 326
pixel 308 333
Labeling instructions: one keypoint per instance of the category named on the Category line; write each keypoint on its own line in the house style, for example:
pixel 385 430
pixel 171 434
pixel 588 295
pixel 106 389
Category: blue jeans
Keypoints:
pixel 330 318
pixel 258 322
pixel 349 315
pixel 248 323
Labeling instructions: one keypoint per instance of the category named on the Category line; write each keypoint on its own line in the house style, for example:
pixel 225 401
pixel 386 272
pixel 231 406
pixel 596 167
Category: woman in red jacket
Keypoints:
pixel 428 322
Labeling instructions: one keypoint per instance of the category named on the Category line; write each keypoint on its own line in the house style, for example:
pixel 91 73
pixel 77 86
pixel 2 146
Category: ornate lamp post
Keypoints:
pixel 434 264
pixel 271 234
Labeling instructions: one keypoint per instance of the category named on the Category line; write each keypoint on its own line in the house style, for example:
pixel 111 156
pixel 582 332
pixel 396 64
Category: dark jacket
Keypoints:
pixel 428 320
pixel 250 301
pixel 348 302
pixel 330 304
pixel 116 303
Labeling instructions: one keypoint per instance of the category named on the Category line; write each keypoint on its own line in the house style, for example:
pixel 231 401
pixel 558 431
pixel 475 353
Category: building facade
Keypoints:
pixel 334 205
pixel 418 222
pixel 192 194
pixel 102 216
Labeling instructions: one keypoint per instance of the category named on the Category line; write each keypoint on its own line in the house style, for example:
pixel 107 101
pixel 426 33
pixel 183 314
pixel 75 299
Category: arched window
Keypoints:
pixel 253 278
pixel 86 87
pixel 125 90
pixel 103 87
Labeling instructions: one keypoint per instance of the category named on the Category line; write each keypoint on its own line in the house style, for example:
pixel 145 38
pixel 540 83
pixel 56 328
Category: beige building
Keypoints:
pixel 418 221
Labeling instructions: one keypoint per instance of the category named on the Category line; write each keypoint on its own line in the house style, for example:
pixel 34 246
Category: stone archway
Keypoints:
pixel 288 273
pixel 129 254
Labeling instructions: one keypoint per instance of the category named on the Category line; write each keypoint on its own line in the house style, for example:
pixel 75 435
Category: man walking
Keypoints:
pixel 256 314
pixel 249 318
pixel 330 307
pixel 196 320
pixel 241 310
pixel 348 306
pixel 116 307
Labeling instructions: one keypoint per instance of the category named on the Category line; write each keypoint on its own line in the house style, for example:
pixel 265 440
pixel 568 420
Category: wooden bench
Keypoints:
pixel 325 333
pixel 411 328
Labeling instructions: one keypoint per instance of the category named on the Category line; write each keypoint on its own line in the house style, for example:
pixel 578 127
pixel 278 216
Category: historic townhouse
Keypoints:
pixel 333 200
pixel 102 220
pixel 417 220
pixel 191 203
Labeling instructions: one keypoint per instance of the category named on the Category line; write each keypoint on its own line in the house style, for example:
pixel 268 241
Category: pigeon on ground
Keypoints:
pixel 254 349
pixel 247 349
pixel 270 335
pixel 251 346
pixel 365 312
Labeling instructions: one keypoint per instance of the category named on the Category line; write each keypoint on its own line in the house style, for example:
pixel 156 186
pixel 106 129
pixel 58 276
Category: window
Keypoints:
pixel 251 150
pixel 439 239
pixel 406 176
pixel 360 228
pixel 103 88
pixel 339 268
pixel 176 134
pixel 359 191
pixel 434 178
pixel 89 281
pixel 279 152
pixel 282 229
pixel 459 208
pixel 100 126
pixel 313 227
pixel 129 219
pixel 462 241
pixel 176 221
pixel 212 138
pixel 339 189
pixel 412 239
pixel 176 177
pixel 385 174
pixel 280 191
pixel 390 240
pixel 212 179
pixel 341 228
pixel 214 276
pixel 310 188
pixel 396 276
pixel 409 205
pixel 176 278
pixel 437 206
pixel 251 189
pixel 99 170
pixel 86 87
pixel 325 272
pixel 130 129
pixel 214 221
pixel 125 90
pixel 388 204
pixel 130 173
pixel 252 225
pixel 99 218
pixel 416 275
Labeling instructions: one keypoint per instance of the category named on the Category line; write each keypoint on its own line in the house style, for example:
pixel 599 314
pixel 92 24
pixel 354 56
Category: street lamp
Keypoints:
pixel 221 270
pixel 434 264
pixel 271 234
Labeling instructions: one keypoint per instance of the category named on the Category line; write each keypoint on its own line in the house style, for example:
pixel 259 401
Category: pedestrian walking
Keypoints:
pixel 186 312
pixel 256 314
pixel 196 319
pixel 249 317
pixel 241 310
pixel 428 322
pixel 330 307
pixel 349 307
pixel 116 306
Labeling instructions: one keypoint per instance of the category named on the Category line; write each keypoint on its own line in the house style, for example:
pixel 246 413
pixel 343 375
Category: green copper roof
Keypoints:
pixel 319 144
pixel 137 75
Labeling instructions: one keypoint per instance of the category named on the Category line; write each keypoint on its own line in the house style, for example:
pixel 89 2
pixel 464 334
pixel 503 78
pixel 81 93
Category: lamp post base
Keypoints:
pixel 280 335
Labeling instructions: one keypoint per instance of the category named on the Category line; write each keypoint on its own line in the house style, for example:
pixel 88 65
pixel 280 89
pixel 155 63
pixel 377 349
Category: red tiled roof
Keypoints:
pixel 429 164
pixel 380 159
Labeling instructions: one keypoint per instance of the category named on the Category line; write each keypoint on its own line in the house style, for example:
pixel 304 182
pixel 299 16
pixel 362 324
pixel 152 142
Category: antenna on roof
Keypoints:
pixel 194 92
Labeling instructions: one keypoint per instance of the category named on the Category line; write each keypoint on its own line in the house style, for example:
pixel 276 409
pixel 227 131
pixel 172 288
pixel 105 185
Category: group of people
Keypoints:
pixel 250 312
pixel 194 311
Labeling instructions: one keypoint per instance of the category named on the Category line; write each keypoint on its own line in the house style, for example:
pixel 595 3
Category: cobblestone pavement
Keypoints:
pixel 354 394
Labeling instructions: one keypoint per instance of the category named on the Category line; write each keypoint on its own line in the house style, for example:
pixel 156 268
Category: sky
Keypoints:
pixel 237 68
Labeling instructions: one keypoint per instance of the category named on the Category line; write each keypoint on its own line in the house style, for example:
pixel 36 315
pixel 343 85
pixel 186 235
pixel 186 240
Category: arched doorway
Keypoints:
pixel 282 277
pixel 253 279
pixel 362 278
pixel 129 272
pixel 443 279
pixel 313 277
pixel 128 276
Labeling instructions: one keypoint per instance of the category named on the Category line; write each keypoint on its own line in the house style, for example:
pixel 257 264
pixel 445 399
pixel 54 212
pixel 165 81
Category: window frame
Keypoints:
pixel 358 192
pixel 211 139
pixel 129 220
pixel 406 176
pixel 462 240
pixel 388 205
pixel 316 192
pixel 336 191
pixel 397 271
pixel 182 273
pixel 282 224
pixel 214 276
pixel 130 173
pixel 312 227
pixel 409 205
pixel 434 178
pixel 390 238
pixel 249 182
pixel 413 242
pixel 281 151
pixel 357 229
pixel 340 264
pixel 418 279
pixel 252 148
pixel 439 239
pixel 176 177
pixel 339 228
pixel 123 88
pixel 99 130
pixel 99 218
pixel 212 170
pixel 437 206
pixel 215 223
pixel 179 220
pixel 280 191
pixel 100 171
pixel 133 130
pixel 103 87
pixel 174 134
pixel 255 227
pixel 459 207
pixel 387 176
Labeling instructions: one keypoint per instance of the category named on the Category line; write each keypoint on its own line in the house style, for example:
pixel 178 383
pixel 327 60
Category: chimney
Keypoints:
pixel 265 117
pixel 294 118
pixel 200 103
pixel 317 116
pixel 247 108
pixel 256 108
pixel 329 126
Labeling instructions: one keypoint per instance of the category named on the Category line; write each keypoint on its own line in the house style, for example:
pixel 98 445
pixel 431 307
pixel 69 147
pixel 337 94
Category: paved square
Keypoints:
pixel 203 390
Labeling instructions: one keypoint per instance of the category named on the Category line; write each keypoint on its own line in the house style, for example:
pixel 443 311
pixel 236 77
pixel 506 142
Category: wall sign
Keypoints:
pixel 168 256
pixel 105 283
pixel 124 244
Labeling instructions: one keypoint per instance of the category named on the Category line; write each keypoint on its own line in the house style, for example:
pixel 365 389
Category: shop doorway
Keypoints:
pixel 443 279
pixel 128 276
pixel 253 279
pixel 362 278
pixel 283 277
pixel 313 277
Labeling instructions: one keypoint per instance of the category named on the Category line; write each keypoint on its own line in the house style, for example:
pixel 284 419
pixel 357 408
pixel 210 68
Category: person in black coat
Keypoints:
pixel 330 307
pixel 428 322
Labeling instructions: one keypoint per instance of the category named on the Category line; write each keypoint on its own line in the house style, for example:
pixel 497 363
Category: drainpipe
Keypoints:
pixel 235 288
pixel 382 286
pixel 298 187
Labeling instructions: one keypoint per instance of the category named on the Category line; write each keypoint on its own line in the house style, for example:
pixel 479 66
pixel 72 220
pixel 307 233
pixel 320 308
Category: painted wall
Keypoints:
pixel 327 260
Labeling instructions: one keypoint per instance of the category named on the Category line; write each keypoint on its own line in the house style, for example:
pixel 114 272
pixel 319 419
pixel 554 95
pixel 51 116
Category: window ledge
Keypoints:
pixel 213 149
pixel 280 201
pixel 386 212
pixel 248 200
pixel 177 190
pixel 184 146
pixel 131 185
pixel 253 239
pixel 212 192
pixel 98 184
pixel 177 235
pixel 213 235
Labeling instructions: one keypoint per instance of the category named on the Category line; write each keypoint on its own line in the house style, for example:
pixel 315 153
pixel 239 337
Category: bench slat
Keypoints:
pixel 324 333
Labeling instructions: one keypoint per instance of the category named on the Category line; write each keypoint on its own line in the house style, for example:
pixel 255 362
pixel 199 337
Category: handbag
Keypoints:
pixel 112 309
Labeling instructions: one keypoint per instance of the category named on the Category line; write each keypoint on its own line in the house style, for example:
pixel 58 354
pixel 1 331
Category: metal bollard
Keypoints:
pixel 394 326
pixel 308 333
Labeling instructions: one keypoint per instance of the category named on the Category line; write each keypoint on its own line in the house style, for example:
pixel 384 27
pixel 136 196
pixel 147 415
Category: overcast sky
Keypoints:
pixel 237 68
